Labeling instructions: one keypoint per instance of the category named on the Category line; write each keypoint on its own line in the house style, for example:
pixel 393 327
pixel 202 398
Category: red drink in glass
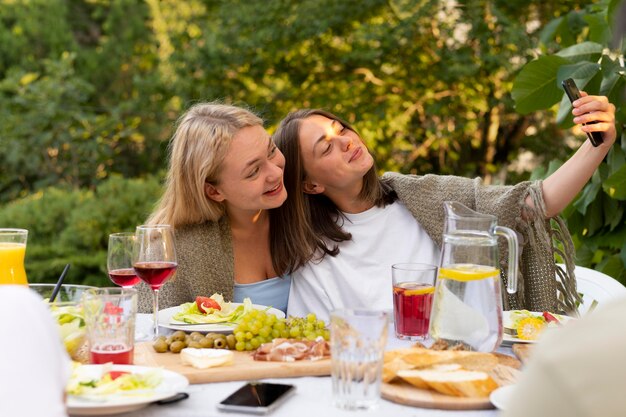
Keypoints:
pixel 411 305
pixel 116 353
pixel 124 277
pixel 155 273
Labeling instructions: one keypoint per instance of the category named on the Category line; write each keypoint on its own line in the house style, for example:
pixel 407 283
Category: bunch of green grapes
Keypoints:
pixel 258 327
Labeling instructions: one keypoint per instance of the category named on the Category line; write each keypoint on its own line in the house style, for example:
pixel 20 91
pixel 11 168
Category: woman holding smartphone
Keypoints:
pixel 343 226
pixel 225 174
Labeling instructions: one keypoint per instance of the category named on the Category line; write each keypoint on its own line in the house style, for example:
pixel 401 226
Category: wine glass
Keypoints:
pixel 120 259
pixel 155 260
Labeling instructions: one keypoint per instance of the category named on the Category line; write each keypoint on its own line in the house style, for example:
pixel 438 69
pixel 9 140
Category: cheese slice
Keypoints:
pixel 206 358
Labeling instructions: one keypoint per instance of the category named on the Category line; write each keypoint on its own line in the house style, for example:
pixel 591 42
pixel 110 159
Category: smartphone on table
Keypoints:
pixel 573 93
pixel 257 398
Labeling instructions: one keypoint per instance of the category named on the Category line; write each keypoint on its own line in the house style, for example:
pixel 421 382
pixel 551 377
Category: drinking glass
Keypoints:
pixel 120 259
pixel 12 252
pixel 110 321
pixel 413 290
pixel 357 344
pixel 155 260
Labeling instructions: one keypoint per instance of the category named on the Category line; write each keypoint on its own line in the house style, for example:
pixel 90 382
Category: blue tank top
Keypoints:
pixel 273 292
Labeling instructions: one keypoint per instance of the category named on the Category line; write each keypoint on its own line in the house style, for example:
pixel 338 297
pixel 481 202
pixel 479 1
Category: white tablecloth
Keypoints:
pixel 311 399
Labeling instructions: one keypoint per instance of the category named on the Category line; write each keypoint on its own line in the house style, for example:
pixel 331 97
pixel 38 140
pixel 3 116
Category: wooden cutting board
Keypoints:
pixel 522 351
pixel 244 367
pixel 404 393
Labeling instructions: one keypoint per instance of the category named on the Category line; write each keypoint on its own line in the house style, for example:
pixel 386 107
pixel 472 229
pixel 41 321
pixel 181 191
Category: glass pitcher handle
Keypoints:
pixel 511 238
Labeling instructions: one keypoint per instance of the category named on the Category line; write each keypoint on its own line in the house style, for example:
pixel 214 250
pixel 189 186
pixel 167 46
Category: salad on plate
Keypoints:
pixel 213 309
pixel 87 381
pixel 529 325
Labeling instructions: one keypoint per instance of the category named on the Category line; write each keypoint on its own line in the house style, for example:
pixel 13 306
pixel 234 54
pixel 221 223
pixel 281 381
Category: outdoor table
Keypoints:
pixel 312 398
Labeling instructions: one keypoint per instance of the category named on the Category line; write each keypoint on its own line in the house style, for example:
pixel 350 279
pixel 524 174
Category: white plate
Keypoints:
pixel 166 320
pixel 501 396
pixel 119 403
pixel 508 340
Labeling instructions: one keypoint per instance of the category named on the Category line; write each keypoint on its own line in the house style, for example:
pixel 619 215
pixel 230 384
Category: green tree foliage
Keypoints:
pixel 72 226
pixel 578 46
pixel 90 89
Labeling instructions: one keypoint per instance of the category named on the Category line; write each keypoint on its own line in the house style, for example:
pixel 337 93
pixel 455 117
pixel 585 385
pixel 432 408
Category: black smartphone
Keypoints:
pixel 256 398
pixel 573 93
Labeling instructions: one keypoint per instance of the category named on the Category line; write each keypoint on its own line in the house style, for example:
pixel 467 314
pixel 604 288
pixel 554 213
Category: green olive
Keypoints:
pixel 231 341
pixel 160 346
pixel 179 335
pixel 196 335
pixel 194 344
pixel 177 346
pixel 206 343
pixel 219 343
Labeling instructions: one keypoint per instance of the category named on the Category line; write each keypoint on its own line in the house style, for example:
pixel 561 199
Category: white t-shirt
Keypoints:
pixel 34 367
pixel 360 275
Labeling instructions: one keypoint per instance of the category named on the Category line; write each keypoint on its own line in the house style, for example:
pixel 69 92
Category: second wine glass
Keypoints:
pixel 155 260
pixel 120 259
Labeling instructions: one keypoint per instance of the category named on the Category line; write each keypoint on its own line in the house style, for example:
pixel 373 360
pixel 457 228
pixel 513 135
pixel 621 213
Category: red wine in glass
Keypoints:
pixel 120 259
pixel 155 273
pixel 154 261
pixel 124 277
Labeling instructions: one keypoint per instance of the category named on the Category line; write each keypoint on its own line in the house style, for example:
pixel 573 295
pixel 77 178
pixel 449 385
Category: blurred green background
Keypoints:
pixel 90 90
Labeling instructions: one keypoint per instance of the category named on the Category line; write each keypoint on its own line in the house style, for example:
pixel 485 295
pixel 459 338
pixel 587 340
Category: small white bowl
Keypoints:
pixel 500 397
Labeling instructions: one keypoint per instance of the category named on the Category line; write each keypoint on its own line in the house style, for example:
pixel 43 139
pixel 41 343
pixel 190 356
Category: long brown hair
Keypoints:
pixel 306 225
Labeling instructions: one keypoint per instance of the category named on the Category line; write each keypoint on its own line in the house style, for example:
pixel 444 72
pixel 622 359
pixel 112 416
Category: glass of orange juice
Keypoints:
pixel 12 252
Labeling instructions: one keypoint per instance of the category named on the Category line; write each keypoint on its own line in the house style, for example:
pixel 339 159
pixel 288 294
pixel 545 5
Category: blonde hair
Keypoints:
pixel 196 151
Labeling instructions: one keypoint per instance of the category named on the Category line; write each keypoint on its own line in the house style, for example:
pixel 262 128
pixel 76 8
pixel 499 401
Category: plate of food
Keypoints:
pixel 523 326
pixel 210 314
pixel 114 389
pixel 445 379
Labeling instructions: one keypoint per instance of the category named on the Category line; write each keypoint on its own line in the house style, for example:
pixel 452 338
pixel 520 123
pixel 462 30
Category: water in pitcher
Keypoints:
pixel 471 292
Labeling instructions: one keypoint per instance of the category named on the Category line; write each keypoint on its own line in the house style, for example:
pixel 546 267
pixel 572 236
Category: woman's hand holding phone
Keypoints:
pixel 594 113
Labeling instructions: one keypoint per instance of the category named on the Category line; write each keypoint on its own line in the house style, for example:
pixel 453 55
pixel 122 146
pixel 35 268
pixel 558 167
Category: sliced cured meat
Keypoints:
pixel 290 350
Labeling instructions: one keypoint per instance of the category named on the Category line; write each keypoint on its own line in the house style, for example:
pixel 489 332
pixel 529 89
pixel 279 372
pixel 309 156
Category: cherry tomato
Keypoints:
pixel 116 374
pixel 205 304
pixel 550 318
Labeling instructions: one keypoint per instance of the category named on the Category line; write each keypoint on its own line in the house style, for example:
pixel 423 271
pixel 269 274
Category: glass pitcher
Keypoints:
pixel 12 252
pixel 467 307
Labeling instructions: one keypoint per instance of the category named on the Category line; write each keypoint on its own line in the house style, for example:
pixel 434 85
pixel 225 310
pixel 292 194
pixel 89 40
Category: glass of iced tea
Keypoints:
pixel 413 290
pixel 110 315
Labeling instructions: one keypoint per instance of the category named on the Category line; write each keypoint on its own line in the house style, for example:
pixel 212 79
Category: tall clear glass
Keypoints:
pixel 120 259
pixel 12 252
pixel 155 260
pixel 357 343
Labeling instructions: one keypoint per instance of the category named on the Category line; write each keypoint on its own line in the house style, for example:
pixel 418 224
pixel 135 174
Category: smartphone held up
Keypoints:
pixel 573 93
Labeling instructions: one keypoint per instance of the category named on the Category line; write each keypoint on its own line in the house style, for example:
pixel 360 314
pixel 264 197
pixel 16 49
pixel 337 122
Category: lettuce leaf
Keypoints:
pixel 230 314
pixel 81 385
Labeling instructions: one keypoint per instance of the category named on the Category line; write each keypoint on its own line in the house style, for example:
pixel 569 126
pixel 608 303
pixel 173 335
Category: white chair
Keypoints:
pixel 596 288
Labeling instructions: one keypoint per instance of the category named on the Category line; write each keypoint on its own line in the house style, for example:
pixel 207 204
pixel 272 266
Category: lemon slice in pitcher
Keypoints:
pixel 468 272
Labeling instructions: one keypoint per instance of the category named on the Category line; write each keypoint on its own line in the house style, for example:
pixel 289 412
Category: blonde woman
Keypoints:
pixel 225 173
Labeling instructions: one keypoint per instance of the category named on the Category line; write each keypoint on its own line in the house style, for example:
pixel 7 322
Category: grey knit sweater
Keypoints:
pixel 206 261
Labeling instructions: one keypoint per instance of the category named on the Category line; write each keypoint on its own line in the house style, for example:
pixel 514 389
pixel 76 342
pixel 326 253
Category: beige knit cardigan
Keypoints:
pixel 206 261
